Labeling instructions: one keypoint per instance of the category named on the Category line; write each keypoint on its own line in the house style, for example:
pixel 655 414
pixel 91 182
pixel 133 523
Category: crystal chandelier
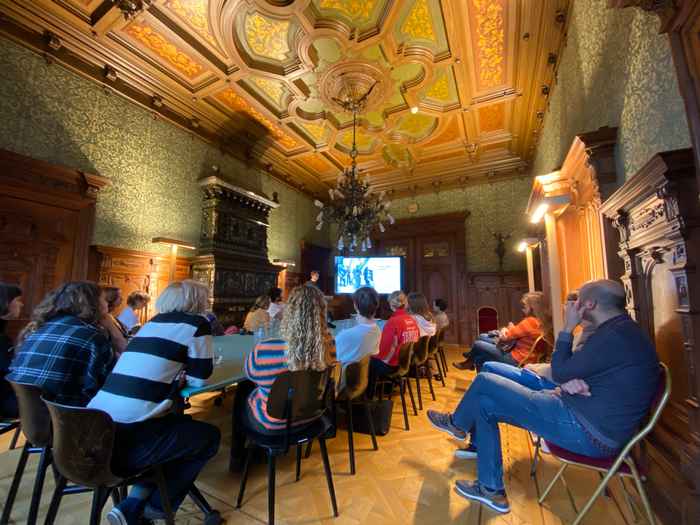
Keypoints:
pixel 353 206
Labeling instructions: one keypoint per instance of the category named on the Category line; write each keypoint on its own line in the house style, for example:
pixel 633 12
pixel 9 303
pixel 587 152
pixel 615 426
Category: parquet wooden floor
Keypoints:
pixel 409 479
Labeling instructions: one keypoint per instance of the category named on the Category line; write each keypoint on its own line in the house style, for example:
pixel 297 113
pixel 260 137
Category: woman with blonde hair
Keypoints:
pixel 512 344
pixel 139 395
pixel 305 344
pixel 258 317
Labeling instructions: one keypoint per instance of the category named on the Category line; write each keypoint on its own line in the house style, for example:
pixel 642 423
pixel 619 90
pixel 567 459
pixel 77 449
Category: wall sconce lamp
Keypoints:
pixel 545 204
pixel 528 242
pixel 174 245
pixel 284 263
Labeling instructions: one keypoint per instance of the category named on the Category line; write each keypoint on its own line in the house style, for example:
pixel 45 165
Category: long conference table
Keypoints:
pixel 234 350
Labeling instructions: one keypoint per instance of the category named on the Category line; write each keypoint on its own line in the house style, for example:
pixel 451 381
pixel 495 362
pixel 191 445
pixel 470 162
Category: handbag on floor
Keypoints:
pixel 380 411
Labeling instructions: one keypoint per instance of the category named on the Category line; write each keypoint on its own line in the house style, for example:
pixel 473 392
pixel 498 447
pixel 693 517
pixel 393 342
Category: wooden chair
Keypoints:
pixel 622 465
pixel 539 352
pixel 351 391
pixel 419 367
pixel 294 396
pixel 434 355
pixel 441 350
pixel 400 379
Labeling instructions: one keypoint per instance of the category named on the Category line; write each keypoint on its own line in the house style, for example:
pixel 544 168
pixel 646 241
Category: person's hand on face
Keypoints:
pixel 14 309
pixel 575 387
pixel 573 315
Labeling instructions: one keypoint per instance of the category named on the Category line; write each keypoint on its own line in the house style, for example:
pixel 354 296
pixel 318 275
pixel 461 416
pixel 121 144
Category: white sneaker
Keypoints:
pixel 115 517
pixel 468 452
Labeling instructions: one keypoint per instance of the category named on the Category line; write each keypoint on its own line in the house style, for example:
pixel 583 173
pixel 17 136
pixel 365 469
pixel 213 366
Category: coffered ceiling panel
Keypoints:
pixel 456 86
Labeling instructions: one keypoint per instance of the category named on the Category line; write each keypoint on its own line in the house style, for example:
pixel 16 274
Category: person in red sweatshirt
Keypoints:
pixel 401 328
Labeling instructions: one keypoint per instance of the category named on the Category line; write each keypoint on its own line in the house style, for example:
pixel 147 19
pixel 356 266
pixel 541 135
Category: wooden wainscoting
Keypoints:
pixel 132 270
pixel 47 214
pixel 657 216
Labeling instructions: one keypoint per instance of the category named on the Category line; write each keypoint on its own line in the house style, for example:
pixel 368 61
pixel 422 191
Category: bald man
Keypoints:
pixel 605 391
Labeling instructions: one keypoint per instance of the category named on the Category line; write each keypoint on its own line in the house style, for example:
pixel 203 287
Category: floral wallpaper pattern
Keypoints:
pixel 494 207
pixel 49 113
pixel 616 70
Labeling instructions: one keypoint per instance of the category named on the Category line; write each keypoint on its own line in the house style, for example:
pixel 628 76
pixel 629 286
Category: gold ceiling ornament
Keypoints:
pixel 354 207
pixel 237 103
pixel 316 130
pixel 356 10
pixel 415 125
pixel 166 50
pixel 267 37
pixel 274 89
pixel 490 39
pixel 492 118
pixel 440 90
pixel 419 23
pixel 398 156
pixel 364 141
pixel 194 12
pixel 352 80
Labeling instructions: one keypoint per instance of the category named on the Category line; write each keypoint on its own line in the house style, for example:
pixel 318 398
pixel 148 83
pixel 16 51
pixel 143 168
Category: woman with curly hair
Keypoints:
pixel 305 344
pixel 63 350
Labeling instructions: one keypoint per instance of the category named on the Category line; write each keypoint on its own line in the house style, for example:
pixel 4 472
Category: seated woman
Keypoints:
pixel 419 310
pixel 63 350
pixel 441 319
pixel 518 338
pixel 258 317
pixel 361 340
pixel 10 308
pixel 136 301
pixel 139 396
pixel 276 308
pixel 401 328
pixel 305 344
pixel 116 330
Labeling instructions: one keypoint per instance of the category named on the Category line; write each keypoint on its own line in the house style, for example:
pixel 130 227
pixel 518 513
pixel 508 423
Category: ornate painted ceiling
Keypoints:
pixel 461 85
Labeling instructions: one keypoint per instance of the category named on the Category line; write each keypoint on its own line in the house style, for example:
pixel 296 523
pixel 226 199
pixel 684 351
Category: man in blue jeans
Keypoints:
pixel 605 390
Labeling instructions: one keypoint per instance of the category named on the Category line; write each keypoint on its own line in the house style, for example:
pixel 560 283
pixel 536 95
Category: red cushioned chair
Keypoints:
pixel 622 465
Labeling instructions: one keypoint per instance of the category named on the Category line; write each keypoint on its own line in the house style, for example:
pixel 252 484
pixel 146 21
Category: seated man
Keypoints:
pixel 512 344
pixel 606 391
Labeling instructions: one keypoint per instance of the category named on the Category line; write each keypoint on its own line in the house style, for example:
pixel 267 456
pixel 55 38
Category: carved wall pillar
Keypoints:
pixel 657 217
pixel 232 255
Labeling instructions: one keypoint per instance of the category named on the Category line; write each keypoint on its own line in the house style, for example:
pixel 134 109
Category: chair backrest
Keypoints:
pixel 299 395
pixel 661 396
pixel 433 343
pixel 405 355
pixel 538 352
pixel 83 440
pixel 353 379
pixel 441 336
pixel 420 350
pixel 36 424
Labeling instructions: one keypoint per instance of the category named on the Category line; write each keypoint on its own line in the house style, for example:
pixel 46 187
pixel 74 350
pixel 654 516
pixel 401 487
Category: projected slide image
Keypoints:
pixel 381 273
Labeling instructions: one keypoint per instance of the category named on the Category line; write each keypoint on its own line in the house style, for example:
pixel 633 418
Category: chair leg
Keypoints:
pixel 370 420
pixel 569 494
pixel 410 393
pixel 642 493
pixel 628 500
pixel 402 388
pixel 441 352
pixel 307 454
pixel 591 500
pixel 535 458
pixel 99 498
pixel 271 470
pixel 12 494
pixel 329 474
pixel 44 462
pixel 164 497
pixel 351 444
pixel 420 396
pixel 438 364
pixel 430 383
pixel 244 477
pixel 298 472
pixel 55 500
pixel 15 437
pixel 551 483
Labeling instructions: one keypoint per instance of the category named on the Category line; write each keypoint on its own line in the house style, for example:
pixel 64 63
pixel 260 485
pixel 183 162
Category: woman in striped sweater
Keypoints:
pixel 173 347
pixel 306 344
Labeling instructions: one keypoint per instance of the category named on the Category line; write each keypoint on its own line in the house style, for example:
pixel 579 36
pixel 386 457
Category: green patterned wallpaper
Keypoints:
pixel 49 113
pixel 616 70
pixel 496 207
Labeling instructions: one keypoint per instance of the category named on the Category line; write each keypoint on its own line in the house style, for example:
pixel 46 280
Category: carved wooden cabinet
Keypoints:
pixel 657 217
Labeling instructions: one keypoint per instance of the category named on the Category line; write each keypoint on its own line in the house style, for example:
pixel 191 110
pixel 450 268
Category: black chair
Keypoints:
pixel 434 356
pixel 441 350
pixel 8 425
pixel 400 378
pixel 295 396
pixel 351 391
pixel 37 431
pixel 419 367
pixel 83 442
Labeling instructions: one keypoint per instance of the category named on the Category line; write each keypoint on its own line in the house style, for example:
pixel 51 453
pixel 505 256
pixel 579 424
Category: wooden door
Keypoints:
pixel 436 271
pixel 318 258
pixel 46 219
